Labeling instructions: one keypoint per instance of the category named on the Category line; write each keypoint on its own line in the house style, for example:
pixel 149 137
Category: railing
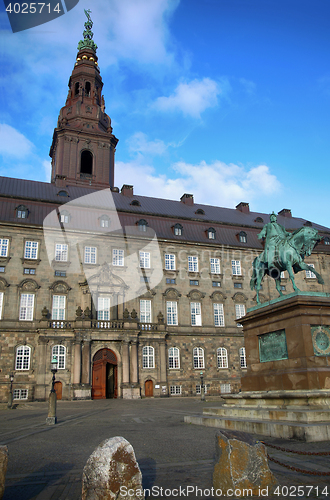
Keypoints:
pixel 148 327
pixel 118 325
pixel 60 324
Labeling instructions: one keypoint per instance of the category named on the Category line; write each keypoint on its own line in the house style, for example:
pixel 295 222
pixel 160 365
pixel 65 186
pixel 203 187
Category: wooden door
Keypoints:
pixel 148 388
pixel 104 364
pixel 99 381
pixel 58 389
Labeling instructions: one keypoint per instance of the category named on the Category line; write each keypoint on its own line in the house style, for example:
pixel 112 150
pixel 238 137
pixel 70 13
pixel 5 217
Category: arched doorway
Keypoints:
pixel 104 377
pixel 58 389
pixel 149 389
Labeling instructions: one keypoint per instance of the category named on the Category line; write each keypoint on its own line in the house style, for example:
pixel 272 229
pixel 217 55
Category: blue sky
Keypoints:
pixel 225 99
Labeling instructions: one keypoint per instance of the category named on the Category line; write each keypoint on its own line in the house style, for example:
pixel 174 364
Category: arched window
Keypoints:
pixel 242 237
pixel 242 357
pixel 62 193
pixel 173 357
pixel 64 216
pixel 59 352
pixel 86 166
pixel 143 224
pixel 148 357
pixel 22 212
pixel 199 211
pixel 88 89
pixel 23 355
pixel 222 357
pixel 326 240
pixel 104 221
pixel 198 355
pixel 211 233
pixel 178 230
pixel 76 89
pixel 135 203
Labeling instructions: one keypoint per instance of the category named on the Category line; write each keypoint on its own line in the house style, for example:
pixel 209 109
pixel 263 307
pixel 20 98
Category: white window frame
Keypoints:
pixel 199 388
pixel 196 313
pixel 90 255
pixel 309 273
pixel 239 312
pixel 1 303
pixel 222 357
pixel 118 257
pixel 103 308
pixel 4 245
pixel 236 267
pixel 61 252
pixel 215 265
pixel 148 357
pixel 26 308
pixel 211 234
pixel 145 311
pixel 104 222
pixel 20 393
pixel 177 231
pixel 23 358
pixel 64 218
pixel 59 352
pixel 198 356
pixel 175 390
pixel 145 260
pixel 59 307
pixel 170 262
pixel 174 358
pixel 31 249
pixel 225 388
pixel 193 263
pixel 172 312
pixel 219 315
pixel 242 357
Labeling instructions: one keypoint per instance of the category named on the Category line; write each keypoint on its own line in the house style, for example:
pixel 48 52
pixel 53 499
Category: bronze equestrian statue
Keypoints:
pixel 283 251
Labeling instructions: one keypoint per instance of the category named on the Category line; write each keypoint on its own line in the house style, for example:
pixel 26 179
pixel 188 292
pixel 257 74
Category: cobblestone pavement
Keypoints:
pixel 46 462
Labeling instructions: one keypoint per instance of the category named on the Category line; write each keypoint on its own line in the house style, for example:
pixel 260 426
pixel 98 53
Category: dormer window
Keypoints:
pixel 211 233
pixel 259 220
pixel 62 193
pixel 178 229
pixel 200 212
pixel 104 221
pixel 242 237
pixel 308 223
pixel 64 217
pixel 143 224
pixel 326 240
pixel 22 212
pixel 136 203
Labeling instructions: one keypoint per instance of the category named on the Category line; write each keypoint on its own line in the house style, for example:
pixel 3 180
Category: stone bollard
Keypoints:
pixel 3 468
pixel 112 472
pixel 241 463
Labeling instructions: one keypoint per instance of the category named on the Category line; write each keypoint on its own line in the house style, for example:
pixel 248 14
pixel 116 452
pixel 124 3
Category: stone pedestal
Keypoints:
pixel 52 419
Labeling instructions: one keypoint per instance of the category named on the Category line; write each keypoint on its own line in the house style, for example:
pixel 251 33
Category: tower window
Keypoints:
pixel 86 163
pixel 76 89
pixel 88 89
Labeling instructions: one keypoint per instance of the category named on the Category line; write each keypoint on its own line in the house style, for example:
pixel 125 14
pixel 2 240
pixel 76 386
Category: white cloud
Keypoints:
pixel 13 143
pixel 191 98
pixel 138 143
pixel 47 169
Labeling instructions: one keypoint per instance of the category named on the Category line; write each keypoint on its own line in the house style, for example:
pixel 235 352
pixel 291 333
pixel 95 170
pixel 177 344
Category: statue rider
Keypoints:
pixel 273 233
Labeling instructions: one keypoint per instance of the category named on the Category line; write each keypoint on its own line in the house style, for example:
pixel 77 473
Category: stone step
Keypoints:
pixel 302 414
pixel 309 432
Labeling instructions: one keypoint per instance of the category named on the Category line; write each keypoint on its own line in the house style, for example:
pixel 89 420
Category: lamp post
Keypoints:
pixel 10 398
pixel 202 387
pixel 52 419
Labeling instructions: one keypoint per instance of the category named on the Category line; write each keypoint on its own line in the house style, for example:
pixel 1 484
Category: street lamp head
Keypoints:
pixel 201 374
pixel 11 377
pixel 54 364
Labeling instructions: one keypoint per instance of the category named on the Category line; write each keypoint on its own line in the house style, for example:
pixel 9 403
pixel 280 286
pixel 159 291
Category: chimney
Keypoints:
pixel 187 199
pixel 127 190
pixel 285 212
pixel 243 207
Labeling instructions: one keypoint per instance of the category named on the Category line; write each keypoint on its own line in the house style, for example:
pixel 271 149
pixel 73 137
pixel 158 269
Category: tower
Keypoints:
pixel 83 147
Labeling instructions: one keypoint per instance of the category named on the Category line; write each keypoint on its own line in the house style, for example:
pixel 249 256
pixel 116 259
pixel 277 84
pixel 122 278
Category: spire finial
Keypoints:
pixel 87 42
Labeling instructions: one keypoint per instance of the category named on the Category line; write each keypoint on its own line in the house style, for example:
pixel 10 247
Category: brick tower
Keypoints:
pixel 83 147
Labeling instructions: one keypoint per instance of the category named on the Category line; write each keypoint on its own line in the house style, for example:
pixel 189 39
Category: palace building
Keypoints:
pixel 134 295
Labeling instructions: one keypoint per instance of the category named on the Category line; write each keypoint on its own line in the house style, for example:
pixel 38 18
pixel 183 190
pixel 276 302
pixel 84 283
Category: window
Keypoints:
pixel 199 389
pixel 117 257
pixel 175 389
pixel 196 314
pixel 86 166
pixel 60 273
pixel 87 89
pixel 58 352
pixel 20 393
pixel 178 229
pixel 282 275
pixel 31 250
pixel 173 357
pixel 170 281
pixel 1 304
pixel 216 283
pixel 28 270
pixel 219 317
pixel 2 269
pixel 62 193
pixel 215 266
pixel 58 311
pixel 259 220
pixel 283 288
pixel 145 311
pixel 199 211
pixel 148 357
pixel 238 285
pixel 326 240
pixel 169 262
pixel 103 308
pixel 242 357
pixel 142 225
pixel 104 221
pixel 242 237
pixel 310 274
pixel 61 252
pixel 64 218
pixel 198 354
pixel 240 312
pixel 22 212
pixel 26 307
pixel 144 279
pixel 23 354
pixel 225 388
pixel 192 264
pixel 193 282
pixel 211 233
pixel 90 255
pixel 135 203
pixel 222 357
pixel 145 260
pixel 4 247
pixel 172 313
pixel 236 267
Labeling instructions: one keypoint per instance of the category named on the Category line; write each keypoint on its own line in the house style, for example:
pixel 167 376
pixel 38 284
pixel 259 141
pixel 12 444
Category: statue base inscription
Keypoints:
pixel 288 345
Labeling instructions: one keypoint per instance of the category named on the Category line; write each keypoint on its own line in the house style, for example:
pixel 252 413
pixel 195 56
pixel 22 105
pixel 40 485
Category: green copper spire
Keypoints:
pixel 87 42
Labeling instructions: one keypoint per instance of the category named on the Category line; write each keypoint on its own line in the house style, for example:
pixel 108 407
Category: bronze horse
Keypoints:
pixel 289 255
